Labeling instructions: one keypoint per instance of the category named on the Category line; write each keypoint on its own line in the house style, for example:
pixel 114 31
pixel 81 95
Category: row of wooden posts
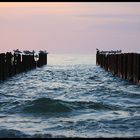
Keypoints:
pixel 124 65
pixel 12 64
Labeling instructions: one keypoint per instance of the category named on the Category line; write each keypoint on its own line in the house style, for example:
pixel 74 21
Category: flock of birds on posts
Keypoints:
pixel 26 52
pixel 12 64
pixel 17 51
pixel 109 52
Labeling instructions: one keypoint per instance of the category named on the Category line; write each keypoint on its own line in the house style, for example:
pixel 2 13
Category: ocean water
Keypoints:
pixel 69 97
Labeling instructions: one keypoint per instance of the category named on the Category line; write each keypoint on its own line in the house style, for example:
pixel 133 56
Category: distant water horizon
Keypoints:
pixel 69 59
pixel 69 97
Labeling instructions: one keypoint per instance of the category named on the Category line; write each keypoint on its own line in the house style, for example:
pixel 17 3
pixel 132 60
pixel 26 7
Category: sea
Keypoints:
pixel 70 97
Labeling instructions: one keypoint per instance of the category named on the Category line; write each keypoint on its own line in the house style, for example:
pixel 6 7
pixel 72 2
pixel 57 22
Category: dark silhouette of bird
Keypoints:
pixel 43 52
pixel 17 51
pixel 27 52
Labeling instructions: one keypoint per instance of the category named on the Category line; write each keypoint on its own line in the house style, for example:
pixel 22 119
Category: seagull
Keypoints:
pixel 119 51
pixel 97 50
pixel 33 52
pixel 17 51
pixel 27 52
pixel 43 52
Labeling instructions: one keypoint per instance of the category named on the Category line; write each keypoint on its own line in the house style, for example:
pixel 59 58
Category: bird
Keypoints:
pixel 17 51
pixel 27 52
pixel 43 52
pixel 97 49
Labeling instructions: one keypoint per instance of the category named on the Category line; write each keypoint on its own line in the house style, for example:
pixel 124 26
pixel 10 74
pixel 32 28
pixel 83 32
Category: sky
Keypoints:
pixel 70 27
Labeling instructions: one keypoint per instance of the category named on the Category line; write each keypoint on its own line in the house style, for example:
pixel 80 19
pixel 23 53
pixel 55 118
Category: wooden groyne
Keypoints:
pixel 12 64
pixel 124 65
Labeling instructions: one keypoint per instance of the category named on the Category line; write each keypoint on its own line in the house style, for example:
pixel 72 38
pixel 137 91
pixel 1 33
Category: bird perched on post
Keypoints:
pixel 27 52
pixel 97 51
pixel 17 51
pixel 43 52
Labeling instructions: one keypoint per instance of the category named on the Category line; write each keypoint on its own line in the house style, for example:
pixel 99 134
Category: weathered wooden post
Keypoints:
pixel 18 65
pixel 109 62
pixel 102 60
pixel 114 64
pixel 46 58
pixel 30 62
pixel 138 69
pixel 119 65
pixel 2 66
pixel 130 66
pixel 9 63
pixel 124 66
pixel 42 59
pixel 116 69
pixel 106 63
pixel 33 62
pixel 15 64
pixel 134 68
pixel 24 63
pixel 39 60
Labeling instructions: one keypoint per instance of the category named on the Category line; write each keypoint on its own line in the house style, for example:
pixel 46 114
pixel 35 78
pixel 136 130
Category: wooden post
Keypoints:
pixel 130 66
pixel 134 68
pixel 9 64
pixel 2 66
pixel 119 64
pixel 109 62
pixel 124 66
pixel 138 69
pixel 14 64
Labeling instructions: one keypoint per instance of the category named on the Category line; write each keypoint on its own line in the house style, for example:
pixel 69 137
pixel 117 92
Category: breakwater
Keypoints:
pixel 12 64
pixel 124 65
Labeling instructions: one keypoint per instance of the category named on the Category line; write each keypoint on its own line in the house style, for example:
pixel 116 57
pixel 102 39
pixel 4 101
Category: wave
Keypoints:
pixel 48 105
pixel 11 133
pixel 70 100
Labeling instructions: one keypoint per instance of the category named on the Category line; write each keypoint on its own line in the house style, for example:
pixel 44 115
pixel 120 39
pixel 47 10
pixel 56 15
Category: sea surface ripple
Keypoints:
pixel 69 97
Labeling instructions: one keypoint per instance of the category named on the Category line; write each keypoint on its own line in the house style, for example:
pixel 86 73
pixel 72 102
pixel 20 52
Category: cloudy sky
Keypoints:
pixel 70 27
